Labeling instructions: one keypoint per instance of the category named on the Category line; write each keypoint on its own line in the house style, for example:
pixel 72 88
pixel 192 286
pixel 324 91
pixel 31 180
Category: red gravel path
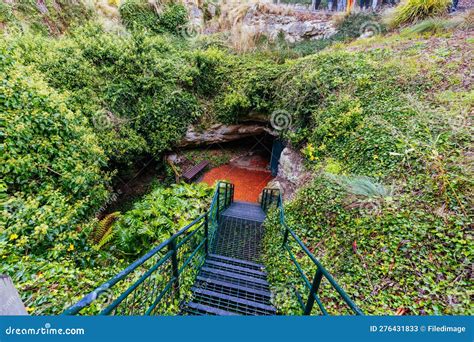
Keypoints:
pixel 248 183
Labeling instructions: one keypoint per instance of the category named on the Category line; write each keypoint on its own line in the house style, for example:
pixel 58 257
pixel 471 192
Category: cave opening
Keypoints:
pixel 250 163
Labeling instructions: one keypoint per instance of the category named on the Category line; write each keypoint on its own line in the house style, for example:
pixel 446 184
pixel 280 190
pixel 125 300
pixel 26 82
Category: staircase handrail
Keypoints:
pixel 208 220
pixel 271 196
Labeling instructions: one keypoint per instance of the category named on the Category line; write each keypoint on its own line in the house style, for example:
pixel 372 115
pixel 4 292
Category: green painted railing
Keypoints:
pixel 272 197
pixel 153 283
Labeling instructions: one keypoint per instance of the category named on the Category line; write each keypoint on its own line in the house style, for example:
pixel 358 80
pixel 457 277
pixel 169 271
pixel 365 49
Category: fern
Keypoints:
pixel 109 235
pixel 103 232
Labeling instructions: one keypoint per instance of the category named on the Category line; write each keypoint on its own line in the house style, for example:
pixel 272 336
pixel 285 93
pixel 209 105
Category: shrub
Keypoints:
pixel 49 287
pixel 138 14
pixel 6 13
pixel 349 27
pixel 145 15
pixel 365 113
pixel 173 18
pixel 355 24
pixel 51 168
pixel 134 90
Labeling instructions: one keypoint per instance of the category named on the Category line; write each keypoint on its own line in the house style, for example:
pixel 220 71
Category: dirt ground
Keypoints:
pixel 249 174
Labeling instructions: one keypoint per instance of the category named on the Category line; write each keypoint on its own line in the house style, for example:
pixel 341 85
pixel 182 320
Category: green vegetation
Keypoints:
pixel 148 15
pixel 398 241
pixel 49 17
pixel 52 172
pixel 216 157
pixel 54 268
pixel 382 122
pixel 158 215
pixel 440 25
pixel 412 11
pixel 134 90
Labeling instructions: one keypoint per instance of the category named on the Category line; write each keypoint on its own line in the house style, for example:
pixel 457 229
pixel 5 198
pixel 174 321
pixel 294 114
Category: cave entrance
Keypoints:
pixel 249 163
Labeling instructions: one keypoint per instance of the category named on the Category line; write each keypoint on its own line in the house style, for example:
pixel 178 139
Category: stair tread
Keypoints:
pixel 234 299
pixel 234 286
pixel 245 211
pixel 236 276
pixel 245 262
pixel 247 204
pixel 236 268
pixel 210 309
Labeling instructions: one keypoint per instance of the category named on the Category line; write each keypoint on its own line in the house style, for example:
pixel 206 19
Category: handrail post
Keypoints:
pixel 206 234
pixel 264 200
pixel 225 196
pixel 218 200
pixel 285 235
pixel 264 196
pixel 313 291
pixel 174 266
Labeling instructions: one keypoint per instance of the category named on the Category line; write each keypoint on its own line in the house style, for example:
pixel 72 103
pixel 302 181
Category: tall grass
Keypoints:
pixel 463 20
pixel 413 11
pixel 363 186
pixel 243 38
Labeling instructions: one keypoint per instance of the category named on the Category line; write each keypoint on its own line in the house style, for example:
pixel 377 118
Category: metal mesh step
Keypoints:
pixel 235 276
pixel 233 290
pixel 239 239
pixel 192 308
pixel 234 280
pixel 236 262
pixel 235 269
pixel 246 211
pixel 230 303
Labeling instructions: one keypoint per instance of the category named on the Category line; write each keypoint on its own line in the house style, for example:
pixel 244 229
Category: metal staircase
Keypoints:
pixel 230 281
pixel 213 266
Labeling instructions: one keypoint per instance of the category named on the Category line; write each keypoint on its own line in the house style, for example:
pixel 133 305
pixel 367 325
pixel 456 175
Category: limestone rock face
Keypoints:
pixel 295 24
pixel 220 133
pixel 292 173
pixel 196 15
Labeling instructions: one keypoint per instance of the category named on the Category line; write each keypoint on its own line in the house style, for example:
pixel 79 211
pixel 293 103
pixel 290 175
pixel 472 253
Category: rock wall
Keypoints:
pixel 295 25
pixel 292 173
pixel 295 22
pixel 220 133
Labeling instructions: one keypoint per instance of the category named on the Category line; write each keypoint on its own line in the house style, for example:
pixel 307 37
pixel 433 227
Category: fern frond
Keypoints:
pixel 104 227
pixel 108 236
